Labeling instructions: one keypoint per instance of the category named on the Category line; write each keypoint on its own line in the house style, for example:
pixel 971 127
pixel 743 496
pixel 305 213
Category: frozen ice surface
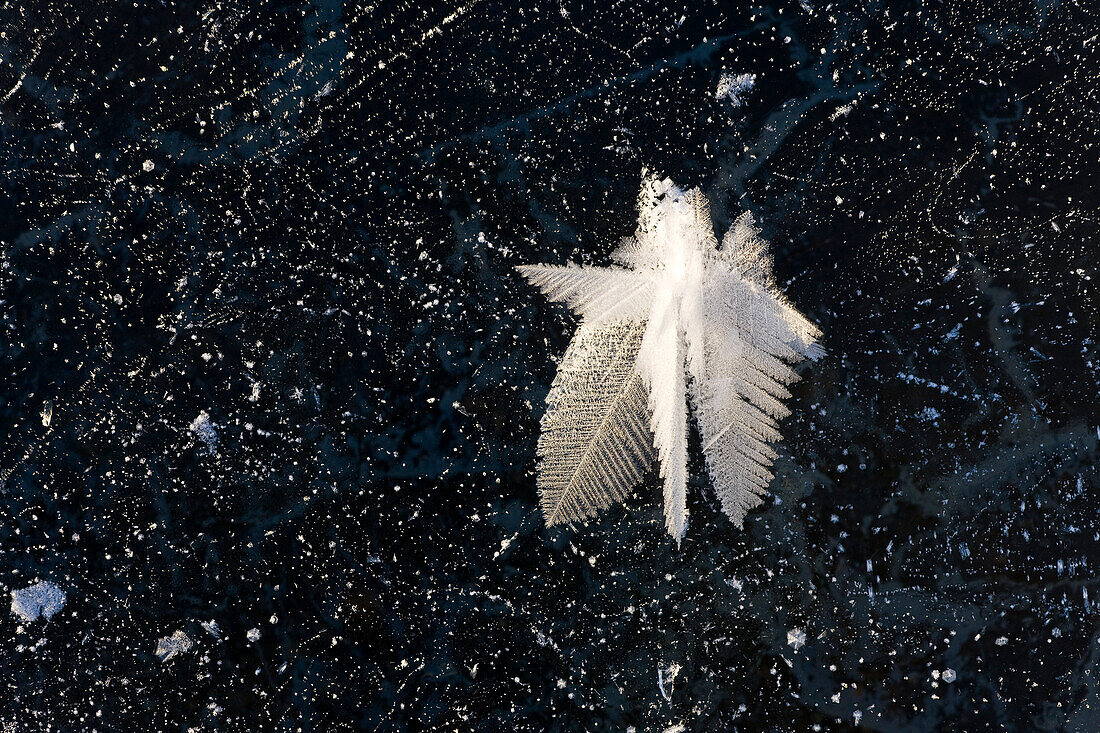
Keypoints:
pixel 41 599
pixel 358 246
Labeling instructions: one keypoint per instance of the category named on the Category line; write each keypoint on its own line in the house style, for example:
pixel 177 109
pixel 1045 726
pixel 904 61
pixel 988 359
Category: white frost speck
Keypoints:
pixel 170 646
pixel 796 638
pixel 734 87
pixel 147 166
pixel 41 599
pixel 212 628
pixel 253 635
pixel 948 675
pixel 204 429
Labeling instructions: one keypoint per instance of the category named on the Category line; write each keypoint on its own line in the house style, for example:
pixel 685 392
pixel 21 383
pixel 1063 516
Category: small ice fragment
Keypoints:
pixel 41 599
pixel 796 638
pixel 147 166
pixel 1001 641
pixel 253 635
pixel 734 87
pixel 170 646
pixel 204 429
pixel 948 675
pixel 211 628
pixel 667 676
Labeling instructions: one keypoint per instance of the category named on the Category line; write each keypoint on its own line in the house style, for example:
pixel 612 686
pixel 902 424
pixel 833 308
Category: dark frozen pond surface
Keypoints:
pixel 272 386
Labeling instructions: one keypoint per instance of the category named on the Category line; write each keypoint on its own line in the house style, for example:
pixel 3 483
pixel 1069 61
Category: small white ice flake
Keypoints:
pixel 170 646
pixel 841 111
pixel 253 635
pixel 204 430
pixel 948 675
pixel 1001 641
pixel 929 414
pixel 667 677
pixel 796 638
pixel 212 628
pixel 734 87
pixel 148 166
pixel 43 599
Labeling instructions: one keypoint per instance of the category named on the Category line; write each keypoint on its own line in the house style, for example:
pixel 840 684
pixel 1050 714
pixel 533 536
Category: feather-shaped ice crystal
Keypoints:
pixel 682 317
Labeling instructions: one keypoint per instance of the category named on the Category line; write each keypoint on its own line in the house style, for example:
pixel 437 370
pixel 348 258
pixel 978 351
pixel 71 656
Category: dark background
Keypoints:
pixel 301 220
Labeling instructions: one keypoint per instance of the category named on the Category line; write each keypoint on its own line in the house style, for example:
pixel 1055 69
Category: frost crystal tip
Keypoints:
pixel 682 317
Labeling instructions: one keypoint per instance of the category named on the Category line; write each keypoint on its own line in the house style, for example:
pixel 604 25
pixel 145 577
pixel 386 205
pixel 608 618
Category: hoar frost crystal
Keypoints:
pixel 682 317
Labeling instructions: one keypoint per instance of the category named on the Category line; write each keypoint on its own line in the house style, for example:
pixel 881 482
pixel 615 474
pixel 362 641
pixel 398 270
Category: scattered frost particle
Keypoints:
pixel 1001 641
pixel 204 429
pixel 796 638
pixel 41 599
pixel 734 87
pixel 212 628
pixel 170 646
pixel 253 635
pixel 147 166
pixel 678 728
pixel 948 675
